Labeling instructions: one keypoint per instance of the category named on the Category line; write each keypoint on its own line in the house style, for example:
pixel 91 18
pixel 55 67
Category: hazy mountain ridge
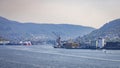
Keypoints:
pixel 13 30
pixel 110 31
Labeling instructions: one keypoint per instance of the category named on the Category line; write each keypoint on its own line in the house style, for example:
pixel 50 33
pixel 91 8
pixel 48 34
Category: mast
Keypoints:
pixel 58 39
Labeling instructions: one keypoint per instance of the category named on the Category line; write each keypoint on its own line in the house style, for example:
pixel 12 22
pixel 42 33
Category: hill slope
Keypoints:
pixel 110 31
pixel 14 31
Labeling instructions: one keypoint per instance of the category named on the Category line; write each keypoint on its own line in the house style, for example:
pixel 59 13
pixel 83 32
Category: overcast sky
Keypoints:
pixel 92 13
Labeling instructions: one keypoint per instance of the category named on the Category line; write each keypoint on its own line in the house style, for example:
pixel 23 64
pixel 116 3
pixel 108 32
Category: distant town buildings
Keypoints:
pixel 99 43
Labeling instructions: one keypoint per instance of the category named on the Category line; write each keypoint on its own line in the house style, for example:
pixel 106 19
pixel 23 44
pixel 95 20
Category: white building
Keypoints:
pixel 101 42
pixel 4 42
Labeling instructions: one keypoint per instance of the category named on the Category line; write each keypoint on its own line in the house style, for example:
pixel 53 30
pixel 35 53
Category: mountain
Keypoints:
pixel 16 31
pixel 110 31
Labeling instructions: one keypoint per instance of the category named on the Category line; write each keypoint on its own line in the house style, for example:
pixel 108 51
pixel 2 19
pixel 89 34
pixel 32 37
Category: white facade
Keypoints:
pixel 101 42
pixel 4 42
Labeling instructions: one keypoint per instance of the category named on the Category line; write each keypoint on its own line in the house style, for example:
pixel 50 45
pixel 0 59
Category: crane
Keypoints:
pixel 58 40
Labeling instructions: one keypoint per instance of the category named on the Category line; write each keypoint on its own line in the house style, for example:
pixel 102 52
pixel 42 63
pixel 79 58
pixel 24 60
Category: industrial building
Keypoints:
pixel 99 43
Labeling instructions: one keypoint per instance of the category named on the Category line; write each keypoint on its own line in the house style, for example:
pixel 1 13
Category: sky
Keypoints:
pixel 93 13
